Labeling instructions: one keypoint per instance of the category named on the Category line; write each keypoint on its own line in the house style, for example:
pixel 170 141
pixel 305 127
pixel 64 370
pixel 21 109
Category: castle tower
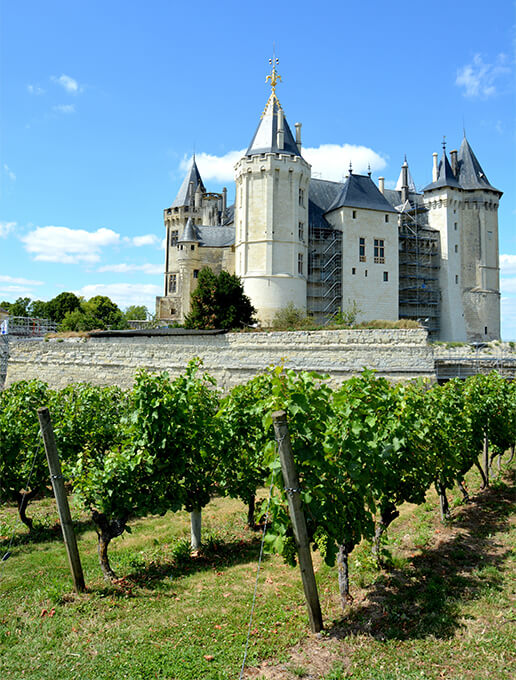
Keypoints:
pixel 271 213
pixel 463 207
pixel 188 264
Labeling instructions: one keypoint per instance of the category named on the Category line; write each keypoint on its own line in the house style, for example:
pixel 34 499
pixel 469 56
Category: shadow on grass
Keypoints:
pixel 424 598
pixel 44 533
pixel 217 555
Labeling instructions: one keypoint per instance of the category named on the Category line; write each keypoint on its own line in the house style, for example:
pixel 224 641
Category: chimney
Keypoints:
pixel 434 168
pixel 191 193
pixel 381 184
pixel 198 197
pixel 298 136
pixel 280 135
pixel 224 201
pixel 404 182
pixel 453 158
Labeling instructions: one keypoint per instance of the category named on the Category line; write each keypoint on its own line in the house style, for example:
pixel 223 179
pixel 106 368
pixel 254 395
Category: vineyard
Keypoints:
pixel 363 452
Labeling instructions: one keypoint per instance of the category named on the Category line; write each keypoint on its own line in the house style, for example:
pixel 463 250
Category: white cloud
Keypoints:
pixel 124 294
pixel 508 264
pixel 479 79
pixel 20 281
pixel 64 108
pixel 124 268
pixel 69 246
pixel 9 172
pixel 218 168
pixel 35 89
pixel 330 161
pixel 67 83
pixel 6 228
pixel 145 240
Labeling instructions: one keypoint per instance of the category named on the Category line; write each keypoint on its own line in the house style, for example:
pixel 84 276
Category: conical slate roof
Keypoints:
pixel 265 138
pixel 470 174
pixel 183 195
pixel 189 234
pixel 445 176
pixel 411 184
pixel 359 191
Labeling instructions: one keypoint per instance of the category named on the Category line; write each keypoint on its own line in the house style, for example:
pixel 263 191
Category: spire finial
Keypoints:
pixel 274 76
pixel 350 168
pixel 444 143
pixel 369 169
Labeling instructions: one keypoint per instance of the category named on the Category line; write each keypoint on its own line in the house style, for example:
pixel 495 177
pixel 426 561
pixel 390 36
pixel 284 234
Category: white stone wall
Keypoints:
pixel 231 358
pixel 363 282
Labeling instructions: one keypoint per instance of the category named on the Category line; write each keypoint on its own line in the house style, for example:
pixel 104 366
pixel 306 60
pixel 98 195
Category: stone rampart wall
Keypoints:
pixel 231 358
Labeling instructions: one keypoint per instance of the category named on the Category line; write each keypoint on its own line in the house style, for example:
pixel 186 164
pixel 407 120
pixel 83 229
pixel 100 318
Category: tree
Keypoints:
pixel 39 309
pixel 106 311
pixel 219 302
pixel 61 305
pixel 20 307
pixel 136 312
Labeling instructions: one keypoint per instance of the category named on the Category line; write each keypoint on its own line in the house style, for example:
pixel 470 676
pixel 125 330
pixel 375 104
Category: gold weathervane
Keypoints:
pixel 274 77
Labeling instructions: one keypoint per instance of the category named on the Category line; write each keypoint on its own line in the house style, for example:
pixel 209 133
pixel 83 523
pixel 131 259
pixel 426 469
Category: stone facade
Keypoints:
pixel 232 358
pixel 323 246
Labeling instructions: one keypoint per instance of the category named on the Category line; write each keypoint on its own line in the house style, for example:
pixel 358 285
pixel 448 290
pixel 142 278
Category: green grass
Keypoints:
pixel 442 608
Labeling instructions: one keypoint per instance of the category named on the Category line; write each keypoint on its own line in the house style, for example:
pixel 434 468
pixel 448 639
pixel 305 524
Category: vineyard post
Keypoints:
pixel 195 529
pixel 291 479
pixel 61 499
pixel 486 458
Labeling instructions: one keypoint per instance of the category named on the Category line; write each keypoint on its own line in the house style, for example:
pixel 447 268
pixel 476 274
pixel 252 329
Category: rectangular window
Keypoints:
pixel 174 235
pixel 455 226
pixel 353 270
pixel 386 218
pixel 196 273
pixel 456 278
pixel 301 197
pixel 301 231
pixel 456 248
pixel 379 251
pixel 172 283
pixel 361 249
pixel 354 214
pixel 365 273
pixel 386 276
pixel 300 263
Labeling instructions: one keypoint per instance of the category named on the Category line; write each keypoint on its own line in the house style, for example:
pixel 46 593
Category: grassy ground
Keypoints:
pixel 442 609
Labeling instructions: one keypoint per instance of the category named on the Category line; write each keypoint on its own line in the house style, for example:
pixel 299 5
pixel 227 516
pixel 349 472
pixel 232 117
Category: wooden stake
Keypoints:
pixel 291 480
pixel 486 459
pixel 61 499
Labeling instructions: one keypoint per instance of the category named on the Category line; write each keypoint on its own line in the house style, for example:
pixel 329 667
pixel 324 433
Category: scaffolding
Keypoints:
pixel 419 293
pixel 324 284
pixel 4 358
pixel 27 327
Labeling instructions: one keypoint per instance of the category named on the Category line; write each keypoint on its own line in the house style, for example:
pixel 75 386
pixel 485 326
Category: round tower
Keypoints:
pixel 271 214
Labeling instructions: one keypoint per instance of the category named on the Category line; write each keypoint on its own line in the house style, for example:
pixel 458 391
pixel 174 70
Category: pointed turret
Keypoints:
pixel 186 194
pixel 445 176
pixel 408 181
pixel 189 234
pixel 273 134
pixel 470 173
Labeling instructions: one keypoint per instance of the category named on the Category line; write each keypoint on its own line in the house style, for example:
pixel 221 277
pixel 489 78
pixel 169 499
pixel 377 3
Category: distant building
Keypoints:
pixel 322 245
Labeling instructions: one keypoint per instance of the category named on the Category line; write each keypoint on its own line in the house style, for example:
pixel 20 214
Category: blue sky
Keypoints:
pixel 102 104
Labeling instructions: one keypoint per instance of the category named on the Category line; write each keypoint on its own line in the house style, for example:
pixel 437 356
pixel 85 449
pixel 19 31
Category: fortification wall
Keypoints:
pixel 231 358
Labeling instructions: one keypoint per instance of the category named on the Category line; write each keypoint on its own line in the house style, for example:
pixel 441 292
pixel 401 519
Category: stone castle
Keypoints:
pixel 431 256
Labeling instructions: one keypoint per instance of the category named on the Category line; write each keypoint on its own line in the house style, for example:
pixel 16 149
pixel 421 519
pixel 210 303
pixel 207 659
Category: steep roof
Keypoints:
pixel 208 236
pixel 184 195
pixel 189 233
pixel 359 191
pixel 411 184
pixel 321 194
pixel 394 198
pixel 470 173
pixel 445 176
pixel 265 138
